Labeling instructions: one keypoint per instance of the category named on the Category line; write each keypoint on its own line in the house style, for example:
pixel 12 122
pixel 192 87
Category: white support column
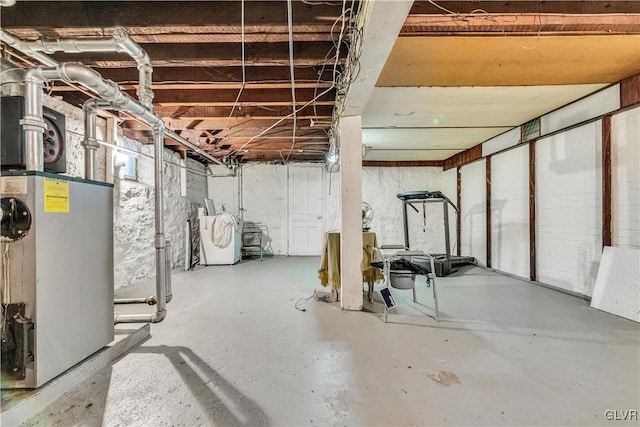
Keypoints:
pixel 351 196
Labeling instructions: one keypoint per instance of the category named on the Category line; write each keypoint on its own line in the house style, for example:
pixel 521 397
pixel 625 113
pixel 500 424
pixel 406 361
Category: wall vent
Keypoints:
pixel 530 130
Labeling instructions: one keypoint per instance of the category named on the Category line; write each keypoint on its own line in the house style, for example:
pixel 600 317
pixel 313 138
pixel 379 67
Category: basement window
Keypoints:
pixel 126 161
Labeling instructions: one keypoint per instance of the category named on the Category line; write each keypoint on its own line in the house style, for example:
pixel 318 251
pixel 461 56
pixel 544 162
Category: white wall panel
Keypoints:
pixel 473 211
pixel 510 211
pixel 450 189
pixel 595 105
pixel 569 208
pixel 625 179
pixel 380 186
pixel 502 141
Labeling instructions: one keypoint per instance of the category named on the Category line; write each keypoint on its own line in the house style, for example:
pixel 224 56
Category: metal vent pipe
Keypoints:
pixel 110 92
pixel 121 42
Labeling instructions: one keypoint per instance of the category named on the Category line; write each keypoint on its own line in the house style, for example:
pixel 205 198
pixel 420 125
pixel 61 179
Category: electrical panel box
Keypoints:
pixel 57 284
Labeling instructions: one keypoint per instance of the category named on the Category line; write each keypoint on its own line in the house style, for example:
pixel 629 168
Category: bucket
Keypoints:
pixel 402 279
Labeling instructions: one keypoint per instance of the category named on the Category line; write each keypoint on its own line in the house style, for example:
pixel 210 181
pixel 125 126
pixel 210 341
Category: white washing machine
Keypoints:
pixel 210 254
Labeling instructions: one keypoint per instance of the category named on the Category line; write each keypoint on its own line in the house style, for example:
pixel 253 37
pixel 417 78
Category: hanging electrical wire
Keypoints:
pixel 347 15
pixel 293 78
pixel 244 76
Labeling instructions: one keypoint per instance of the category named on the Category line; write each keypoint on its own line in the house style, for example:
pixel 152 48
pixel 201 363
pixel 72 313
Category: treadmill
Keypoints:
pixel 446 263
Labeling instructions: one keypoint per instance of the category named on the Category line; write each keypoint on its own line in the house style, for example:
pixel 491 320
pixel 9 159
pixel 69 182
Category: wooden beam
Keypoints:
pixel 532 211
pixel 471 155
pixel 630 91
pixel 526 6
pixel 606 180
pixel 402 164
pixel 227 97
pixel 206 113
pixel 521 24
pixel 101 15
pixel 213 86
pixel 214 55
pixel 228 75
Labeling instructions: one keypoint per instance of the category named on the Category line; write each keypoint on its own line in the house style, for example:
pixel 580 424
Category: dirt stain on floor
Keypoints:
pixel 445 378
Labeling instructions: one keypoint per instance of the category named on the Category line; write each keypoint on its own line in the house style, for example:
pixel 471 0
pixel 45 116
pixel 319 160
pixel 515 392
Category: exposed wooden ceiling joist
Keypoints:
pixel 520 24
pixel 246 97
pixel 140 14
pixel 214 55
pixel 526 6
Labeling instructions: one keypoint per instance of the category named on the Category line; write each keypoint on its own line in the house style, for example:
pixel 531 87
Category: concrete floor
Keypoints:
pixel 234 351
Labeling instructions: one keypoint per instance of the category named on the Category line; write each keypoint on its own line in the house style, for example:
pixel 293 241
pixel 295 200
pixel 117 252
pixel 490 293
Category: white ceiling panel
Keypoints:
pixel 505 106
pixel 427 138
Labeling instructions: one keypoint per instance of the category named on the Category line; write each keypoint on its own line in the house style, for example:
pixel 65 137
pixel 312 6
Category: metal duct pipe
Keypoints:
pixel 121 42
pixel 167 281
pixel 171 134
pixel 161 249
pixel 109 91
pixel 21 45
pixel 33 122
pixel 12 76
pixel 148 300
pixel 90 141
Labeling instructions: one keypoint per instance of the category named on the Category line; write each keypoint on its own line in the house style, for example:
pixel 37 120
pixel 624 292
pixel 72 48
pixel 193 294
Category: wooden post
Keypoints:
pixel 459 214
pixel 606 180
pixel 351 198
pixel 488 209
pixel 532 211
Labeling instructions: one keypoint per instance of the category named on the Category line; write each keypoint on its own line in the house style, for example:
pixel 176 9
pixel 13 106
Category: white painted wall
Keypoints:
pixel 450 189
pixel 473 210
pixel 510 211
pixel 134 252
pixel 625 178
pixel 264 198
pixel 380 185
pixel 569 208
pixel 265 192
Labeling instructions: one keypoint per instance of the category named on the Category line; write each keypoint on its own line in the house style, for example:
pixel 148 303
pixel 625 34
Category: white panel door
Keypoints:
pixel 306 224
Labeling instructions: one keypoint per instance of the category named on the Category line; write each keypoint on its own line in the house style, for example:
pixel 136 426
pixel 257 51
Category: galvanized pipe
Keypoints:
pixel 167 281
pixel 21 45
pixel 151 300
pixel 33 122
pixel 121 42
pixel 161 249
pixel 12 77
pixel 90 141
pixel 109 91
